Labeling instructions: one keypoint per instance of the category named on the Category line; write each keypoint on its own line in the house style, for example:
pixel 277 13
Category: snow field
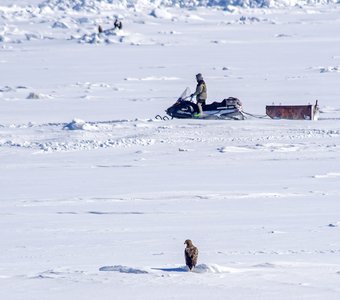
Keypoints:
pixel 97 197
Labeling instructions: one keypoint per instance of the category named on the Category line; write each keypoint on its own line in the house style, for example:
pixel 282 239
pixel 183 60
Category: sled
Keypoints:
pixel 293 112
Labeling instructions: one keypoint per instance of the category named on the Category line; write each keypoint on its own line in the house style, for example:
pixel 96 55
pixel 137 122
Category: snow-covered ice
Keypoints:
pixel 98 196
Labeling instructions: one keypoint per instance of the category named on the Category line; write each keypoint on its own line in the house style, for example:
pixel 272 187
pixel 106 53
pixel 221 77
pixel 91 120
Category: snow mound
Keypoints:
pixel 122 269
pixel 112 36
pixel 33 36
pixel 328 109
pixel 213 268
pixel 328 175
pixel 108 36
pixel 234 149
pixel 265 265
pixel 95 38
pixel 329 69
pixel 202 268
pixel 60 25
pixel 34 95
pixel 136 39
pixel 6 89
pixel 336 224
pixel 78 124
pixel 4 39
pixel 248 20
pixel 161 14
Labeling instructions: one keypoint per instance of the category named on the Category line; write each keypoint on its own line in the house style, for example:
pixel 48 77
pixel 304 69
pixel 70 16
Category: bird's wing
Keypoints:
pixel 194 254
pixel 187 255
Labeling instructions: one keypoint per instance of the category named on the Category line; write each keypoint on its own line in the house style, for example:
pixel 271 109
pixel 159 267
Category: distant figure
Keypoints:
pixel 100 29
pixel 200 93
pixel 118 24
pixel 191 254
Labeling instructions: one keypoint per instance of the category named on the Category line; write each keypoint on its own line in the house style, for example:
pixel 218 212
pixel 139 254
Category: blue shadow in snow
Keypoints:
pixel 179 269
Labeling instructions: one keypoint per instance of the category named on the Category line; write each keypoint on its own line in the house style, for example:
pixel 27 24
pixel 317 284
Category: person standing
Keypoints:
pixel 118 24
pixel 200 93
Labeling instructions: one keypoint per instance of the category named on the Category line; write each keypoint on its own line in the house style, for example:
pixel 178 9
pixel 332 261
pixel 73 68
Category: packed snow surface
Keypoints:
pixel 98 196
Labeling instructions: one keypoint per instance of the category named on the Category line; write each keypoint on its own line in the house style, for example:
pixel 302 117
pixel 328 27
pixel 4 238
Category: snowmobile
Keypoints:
pixel 185 108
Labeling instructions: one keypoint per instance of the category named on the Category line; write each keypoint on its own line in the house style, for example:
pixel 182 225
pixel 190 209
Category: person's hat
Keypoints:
pixel 199 76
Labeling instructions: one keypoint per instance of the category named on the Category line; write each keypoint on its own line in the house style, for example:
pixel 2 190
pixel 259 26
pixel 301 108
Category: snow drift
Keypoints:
pixel 122 269
pixel 78 124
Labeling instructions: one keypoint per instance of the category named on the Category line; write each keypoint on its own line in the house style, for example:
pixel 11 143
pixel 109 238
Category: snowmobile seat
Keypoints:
pixel 230 103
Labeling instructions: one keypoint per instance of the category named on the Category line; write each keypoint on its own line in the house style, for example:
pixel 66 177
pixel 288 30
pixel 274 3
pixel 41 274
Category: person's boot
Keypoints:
pixel 200 109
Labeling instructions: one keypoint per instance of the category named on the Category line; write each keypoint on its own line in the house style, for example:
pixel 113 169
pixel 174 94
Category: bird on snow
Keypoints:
pixel 191 254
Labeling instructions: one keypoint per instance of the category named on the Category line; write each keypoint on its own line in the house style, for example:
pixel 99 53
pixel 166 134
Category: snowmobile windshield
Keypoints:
pixel 186 93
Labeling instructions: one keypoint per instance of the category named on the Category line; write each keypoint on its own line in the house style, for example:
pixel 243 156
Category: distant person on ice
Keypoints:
pixel 118 24
pixel 200 93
